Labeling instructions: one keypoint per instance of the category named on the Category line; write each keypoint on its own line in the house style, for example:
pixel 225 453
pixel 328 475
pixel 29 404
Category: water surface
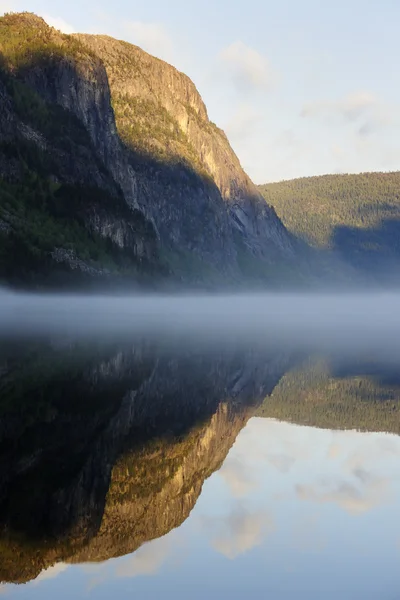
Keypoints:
pixel 151 463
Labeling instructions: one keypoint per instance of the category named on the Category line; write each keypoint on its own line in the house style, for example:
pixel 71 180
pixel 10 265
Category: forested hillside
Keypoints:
pixel 356 216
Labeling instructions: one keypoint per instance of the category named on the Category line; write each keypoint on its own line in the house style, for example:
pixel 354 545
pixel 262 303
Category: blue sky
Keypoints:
pixel 300 87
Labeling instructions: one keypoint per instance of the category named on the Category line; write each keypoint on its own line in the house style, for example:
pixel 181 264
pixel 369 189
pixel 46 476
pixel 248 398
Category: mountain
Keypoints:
pixel 109 166
pixel 355 218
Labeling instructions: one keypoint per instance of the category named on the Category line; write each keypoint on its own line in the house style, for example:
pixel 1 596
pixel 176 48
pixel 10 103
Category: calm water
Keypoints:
pixel 159 467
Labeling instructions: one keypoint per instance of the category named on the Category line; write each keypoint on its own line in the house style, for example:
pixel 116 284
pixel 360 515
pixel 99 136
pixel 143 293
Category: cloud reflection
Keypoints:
pixel 348 496
pixel 51 572
pixel 239 531
pixel 147 560
pixel 238 478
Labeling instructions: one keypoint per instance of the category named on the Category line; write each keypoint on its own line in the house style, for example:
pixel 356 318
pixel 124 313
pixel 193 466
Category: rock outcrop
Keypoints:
pixel 118 142
pixel 160 112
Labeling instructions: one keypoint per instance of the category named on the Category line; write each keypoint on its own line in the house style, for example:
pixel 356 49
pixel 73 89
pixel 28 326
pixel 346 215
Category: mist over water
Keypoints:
pixel 346 323
pixel 135 426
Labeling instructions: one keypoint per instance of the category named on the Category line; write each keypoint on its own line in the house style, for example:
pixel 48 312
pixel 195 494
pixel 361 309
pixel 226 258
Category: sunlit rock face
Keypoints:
pixel 159 111
pixel 104 449
pixel 120 143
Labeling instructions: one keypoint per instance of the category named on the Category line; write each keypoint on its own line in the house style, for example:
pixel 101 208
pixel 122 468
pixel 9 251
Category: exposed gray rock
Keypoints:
pixel 68 257
pixel 148 144
pixel 232 203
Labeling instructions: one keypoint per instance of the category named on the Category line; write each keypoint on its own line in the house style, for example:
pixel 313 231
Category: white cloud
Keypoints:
pixel 354 104
pixel 152 37
pixel 247 68
pixel 362 109
pixel 351 107
pixel 59 23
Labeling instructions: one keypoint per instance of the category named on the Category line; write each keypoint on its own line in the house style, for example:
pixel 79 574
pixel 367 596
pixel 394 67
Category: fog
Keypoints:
pixel 356 323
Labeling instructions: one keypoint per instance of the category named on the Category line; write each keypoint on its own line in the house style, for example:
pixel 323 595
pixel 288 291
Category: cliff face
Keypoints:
pixel 118 144
pixel 66 193
pixel 159 111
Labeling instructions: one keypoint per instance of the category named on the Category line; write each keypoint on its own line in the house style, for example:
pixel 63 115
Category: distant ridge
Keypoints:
pixel 356 216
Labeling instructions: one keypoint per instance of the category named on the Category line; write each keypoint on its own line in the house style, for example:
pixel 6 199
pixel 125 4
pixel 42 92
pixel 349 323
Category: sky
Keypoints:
pixel 301 87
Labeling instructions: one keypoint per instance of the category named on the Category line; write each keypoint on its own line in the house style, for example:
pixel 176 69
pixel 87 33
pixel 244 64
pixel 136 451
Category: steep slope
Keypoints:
pixel 355 216
pixel 159 113
pixel 157 192
pixel 64 193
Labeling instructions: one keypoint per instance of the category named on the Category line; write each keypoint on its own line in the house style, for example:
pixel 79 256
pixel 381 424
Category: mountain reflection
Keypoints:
pixel 105 448
pixel 334 394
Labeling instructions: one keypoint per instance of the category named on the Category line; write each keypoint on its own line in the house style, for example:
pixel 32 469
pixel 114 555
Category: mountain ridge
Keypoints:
pixel 93 112
pixel 353 216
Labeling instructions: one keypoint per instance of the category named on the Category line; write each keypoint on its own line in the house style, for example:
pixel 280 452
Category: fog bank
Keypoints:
pixel 342 322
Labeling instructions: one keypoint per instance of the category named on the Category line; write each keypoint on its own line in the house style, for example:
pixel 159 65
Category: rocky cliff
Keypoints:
pixel 160 113
pixel 112 151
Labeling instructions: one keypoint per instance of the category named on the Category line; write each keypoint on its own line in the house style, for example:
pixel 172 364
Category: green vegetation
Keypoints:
pixel 42 207
pixel 43 214
pixel 147 127
pixel 27 35
pixel 54 187
pixel 355 216
pixel 188 265
pixel 28 391
pixel 312 395
pixel 151 132
pixel 50 119
pixel 26 39
pixel 205 125
pixel 314 207
pixel 30 208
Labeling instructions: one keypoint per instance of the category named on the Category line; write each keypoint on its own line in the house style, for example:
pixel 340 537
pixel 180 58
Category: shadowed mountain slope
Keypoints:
pixel 355 218
pixel 110 167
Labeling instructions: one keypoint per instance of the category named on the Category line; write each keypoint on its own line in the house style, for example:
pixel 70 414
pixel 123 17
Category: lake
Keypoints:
pixel 200 447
